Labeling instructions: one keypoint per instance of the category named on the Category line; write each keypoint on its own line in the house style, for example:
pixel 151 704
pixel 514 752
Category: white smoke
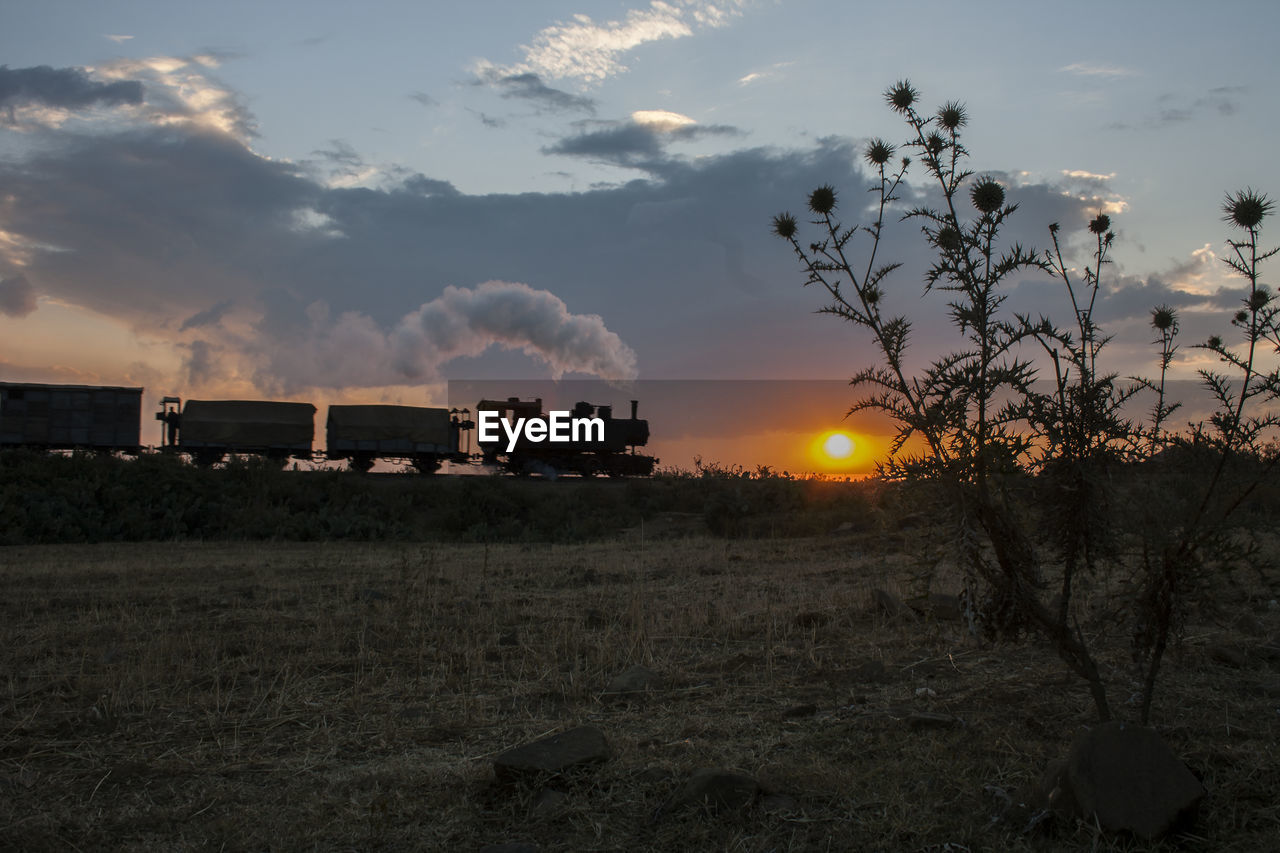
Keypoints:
pixel 354 351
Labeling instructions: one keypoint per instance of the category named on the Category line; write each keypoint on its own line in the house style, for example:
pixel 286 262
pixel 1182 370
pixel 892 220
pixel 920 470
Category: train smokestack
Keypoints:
pixel 635 404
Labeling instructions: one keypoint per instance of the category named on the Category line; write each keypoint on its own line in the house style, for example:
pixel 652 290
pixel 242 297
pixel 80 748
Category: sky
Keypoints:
pixel 325 201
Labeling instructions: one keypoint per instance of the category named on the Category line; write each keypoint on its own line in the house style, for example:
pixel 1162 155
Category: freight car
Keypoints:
pixel 613 454
pixel 208 430
pixel 423 437
pixel 107 419
pixel 69 417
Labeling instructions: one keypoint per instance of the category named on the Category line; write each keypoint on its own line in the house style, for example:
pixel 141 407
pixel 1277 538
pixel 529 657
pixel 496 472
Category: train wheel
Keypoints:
pixel 426 464
pixel 363 464
pixel 206 458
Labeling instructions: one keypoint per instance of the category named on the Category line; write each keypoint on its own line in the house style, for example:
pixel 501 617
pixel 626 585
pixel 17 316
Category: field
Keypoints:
pixel 286 696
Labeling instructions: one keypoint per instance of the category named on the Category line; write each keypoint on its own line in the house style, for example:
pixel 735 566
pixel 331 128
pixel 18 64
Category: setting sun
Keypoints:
pixel 838 445
pixel 834 451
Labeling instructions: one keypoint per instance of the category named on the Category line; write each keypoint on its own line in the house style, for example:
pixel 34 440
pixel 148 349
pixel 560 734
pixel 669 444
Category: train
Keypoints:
pixel 108 419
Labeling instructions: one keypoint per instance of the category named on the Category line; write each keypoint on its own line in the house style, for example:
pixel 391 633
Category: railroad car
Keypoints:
pixel 108 419
pixel 423 437
pixel 208 430
pixel 69 417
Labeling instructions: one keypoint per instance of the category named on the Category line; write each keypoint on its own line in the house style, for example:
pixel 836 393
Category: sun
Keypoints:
pixel 837 446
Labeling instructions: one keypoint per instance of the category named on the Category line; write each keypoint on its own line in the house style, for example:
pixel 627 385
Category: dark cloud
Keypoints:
pixel 340 153
pixel 17 297
pixel 151 226
pixel 209 317
pixel 423 185
pixel 66 88
pixel 488 120
pixel 631 143
pixel 529 87
pixel 423 98
pixel 1218 102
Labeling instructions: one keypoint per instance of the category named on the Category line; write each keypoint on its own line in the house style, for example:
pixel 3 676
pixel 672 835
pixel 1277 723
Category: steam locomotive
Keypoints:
pixel 108 419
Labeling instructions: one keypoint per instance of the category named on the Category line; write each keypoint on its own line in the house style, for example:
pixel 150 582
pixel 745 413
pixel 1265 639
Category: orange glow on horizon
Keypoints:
pixel 839 452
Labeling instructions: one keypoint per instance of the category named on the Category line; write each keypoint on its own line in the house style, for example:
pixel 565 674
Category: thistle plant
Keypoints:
pixel 983 422
pixel 980 421
pixel 1176 571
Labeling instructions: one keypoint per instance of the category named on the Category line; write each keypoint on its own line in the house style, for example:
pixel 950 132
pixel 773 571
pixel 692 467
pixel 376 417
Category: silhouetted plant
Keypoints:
pixel 982 422
pixel 1176 570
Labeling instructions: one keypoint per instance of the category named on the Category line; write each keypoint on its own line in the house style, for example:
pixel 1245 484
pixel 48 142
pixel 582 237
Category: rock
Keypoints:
pixel 1048 796
pixel 636 679
pixel 718 789
pixel 1128 778
pixel 577 747
pixel 890 605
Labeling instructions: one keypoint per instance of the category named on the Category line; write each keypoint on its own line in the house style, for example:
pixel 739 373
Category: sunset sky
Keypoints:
pixel 330 201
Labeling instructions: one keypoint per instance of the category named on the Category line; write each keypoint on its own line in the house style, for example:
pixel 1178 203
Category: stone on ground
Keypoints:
pixel 576 747
pixel 1128 778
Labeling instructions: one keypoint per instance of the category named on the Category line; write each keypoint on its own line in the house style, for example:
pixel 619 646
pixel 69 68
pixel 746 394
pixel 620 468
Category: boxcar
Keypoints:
pixel 69 417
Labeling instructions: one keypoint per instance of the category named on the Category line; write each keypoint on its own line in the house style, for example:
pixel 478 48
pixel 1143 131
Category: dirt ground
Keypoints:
pixel 343 696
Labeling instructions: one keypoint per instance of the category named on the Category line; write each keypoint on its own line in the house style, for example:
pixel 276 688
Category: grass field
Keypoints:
pixel 254 696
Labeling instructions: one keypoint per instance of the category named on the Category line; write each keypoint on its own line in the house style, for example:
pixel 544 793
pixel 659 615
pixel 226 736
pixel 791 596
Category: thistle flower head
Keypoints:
pixel 823 200
pixel 784 225
pixel 1242 317
pixel 901 96
pixel 948 238
pixel 1053 228
pixel 987 195
pixel 878 152
pixel 934 143
pixel 1163 318
pixel 1259 299
pixel 1215 342
pixel 952 116
pixel 1246 208
pixel 1100 224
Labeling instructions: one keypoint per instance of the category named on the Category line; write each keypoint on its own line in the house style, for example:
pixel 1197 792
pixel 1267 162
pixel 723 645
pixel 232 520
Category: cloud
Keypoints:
pixel 424 99
pixel 208 317
pixel 17 297
pixel 638 142
pixel 61 89
pixel 588 51
pixel 529 87
pixel 118 39
pixel 757 76
pixel 182 91
pixel 1095 69
pixel 352 287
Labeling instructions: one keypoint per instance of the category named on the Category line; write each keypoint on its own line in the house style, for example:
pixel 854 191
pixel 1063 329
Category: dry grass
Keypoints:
pixel 336 696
